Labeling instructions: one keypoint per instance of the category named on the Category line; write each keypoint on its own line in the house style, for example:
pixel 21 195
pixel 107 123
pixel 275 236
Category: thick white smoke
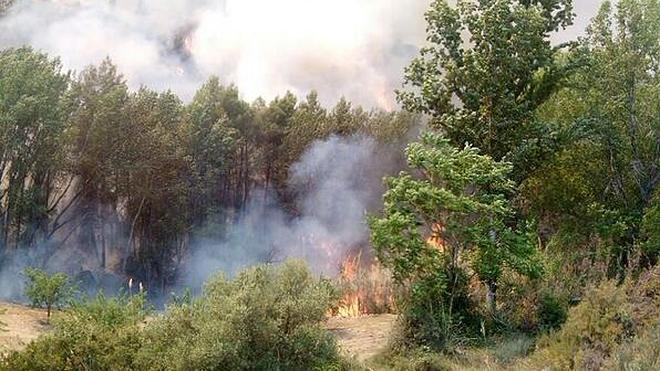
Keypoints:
pixel 352 48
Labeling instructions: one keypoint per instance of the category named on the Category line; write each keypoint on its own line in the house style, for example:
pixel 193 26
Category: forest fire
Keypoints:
pixel 367 288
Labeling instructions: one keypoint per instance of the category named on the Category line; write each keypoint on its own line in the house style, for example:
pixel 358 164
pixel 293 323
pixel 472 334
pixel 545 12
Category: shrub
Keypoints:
pixel 614 327
pixel 541 305
pixel 644 297
pixel 651 231
pixel 98 334
pixel 46 290
pixel 437 313
pixel 642 353
pixel 507 350
pixel 519 302
pixel 593 329
pixel 552 312
pixel 266 318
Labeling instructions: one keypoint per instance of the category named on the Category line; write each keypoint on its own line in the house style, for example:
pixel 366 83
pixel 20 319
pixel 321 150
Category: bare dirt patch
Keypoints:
pixel 21 325
pixel 362 337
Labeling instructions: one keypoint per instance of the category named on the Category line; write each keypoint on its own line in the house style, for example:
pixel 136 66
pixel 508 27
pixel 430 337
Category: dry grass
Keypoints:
pixel 362 337
pixel 22 325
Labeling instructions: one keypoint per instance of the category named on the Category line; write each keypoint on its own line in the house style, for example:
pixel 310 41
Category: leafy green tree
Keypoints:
pixel 99 140
pixel 391 127
pixel 344 119
pixel 32 126
pixel 46 290
pixel 625 102
pixel 488 66
pixel 307 124
pixel 212 146
pixel 154 187
pixel 459 200
pixel 597 190
pixel 274 121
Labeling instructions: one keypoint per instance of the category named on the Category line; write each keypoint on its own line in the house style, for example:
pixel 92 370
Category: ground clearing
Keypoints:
pixel 362 337
pixel 21 325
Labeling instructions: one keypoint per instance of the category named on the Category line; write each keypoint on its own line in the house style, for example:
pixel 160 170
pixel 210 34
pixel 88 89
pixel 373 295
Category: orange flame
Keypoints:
pixel 368 289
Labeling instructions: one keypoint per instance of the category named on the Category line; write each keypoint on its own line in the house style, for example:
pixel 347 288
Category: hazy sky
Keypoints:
pixel 352 48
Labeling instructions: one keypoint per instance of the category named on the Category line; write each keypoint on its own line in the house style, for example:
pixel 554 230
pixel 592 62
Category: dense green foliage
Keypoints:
pixel 487 67
pixel 47 290
pixel 461 203
pixel 539 177
pixel 99 334
pixel 602 185
pixel 601 331
pixel 267 318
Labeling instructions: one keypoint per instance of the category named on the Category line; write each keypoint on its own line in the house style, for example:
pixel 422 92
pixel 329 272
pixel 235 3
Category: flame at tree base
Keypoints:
pixel 367 286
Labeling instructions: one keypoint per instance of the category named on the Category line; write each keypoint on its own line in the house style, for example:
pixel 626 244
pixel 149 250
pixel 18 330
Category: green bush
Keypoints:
pixel 593 329
pixel 266 318
pixel 98 334
pixel 651 231
pixel 46 290
pixel 552 312
pixel 437 313
pixel 642 353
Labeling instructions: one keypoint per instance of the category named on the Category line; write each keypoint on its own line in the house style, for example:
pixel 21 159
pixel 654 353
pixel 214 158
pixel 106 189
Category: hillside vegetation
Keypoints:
pixel 523 231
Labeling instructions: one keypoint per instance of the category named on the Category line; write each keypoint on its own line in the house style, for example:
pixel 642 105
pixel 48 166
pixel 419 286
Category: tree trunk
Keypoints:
pixel 129 243
pixel 103 247
pixel 491 296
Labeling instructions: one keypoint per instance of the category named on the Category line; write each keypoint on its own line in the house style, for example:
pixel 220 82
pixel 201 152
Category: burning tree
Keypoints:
pixel 453 221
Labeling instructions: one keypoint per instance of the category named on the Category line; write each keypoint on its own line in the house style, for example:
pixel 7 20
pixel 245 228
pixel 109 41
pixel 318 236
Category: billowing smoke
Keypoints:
pixel 352 48
pixel 339 180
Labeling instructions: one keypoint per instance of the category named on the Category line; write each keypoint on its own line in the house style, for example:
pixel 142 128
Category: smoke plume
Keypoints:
pixel 346 48
pixel 351 48
pixel 340 181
